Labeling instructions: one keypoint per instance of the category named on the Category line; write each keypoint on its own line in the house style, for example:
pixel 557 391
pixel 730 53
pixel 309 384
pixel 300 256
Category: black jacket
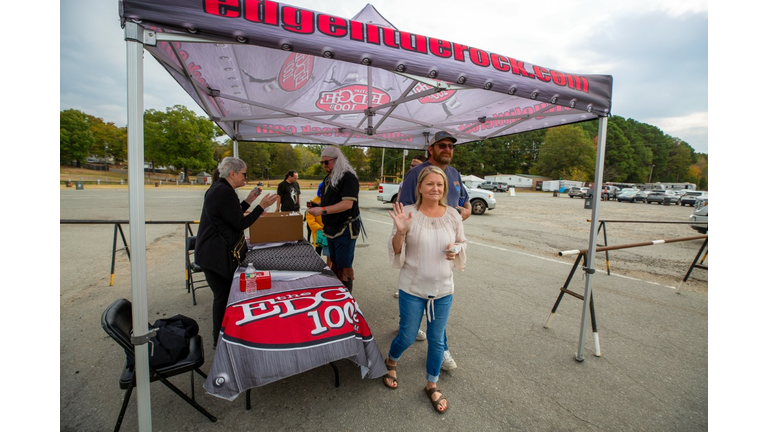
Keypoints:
pixel 221 224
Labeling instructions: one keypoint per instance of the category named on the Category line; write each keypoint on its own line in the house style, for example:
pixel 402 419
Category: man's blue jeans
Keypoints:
pixel 411 311
pixel 342 250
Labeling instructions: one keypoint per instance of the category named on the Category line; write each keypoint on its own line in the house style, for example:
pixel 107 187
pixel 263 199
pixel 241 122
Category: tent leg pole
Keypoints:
pixel 605 238
pixel 114 247
pixel 589 266
pixel 701 254
pixel 135 72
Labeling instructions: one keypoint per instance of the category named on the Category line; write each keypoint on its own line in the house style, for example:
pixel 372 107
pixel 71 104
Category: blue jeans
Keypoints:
pixel 411 310
pixel 342 250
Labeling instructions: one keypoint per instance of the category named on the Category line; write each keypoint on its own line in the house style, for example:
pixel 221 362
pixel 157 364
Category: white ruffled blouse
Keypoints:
pixel 424 271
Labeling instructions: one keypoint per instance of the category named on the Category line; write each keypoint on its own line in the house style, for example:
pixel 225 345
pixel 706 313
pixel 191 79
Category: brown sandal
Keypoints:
pixel 390 377
pixel 436 403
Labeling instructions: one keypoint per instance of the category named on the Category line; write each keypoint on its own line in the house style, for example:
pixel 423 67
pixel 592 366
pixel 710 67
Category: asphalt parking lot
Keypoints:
pixel 513 373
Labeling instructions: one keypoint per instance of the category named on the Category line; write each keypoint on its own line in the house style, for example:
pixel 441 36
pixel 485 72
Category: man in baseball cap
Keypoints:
pixel 440 136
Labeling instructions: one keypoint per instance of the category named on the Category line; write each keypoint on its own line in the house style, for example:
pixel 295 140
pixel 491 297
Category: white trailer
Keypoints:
pixel 550 185
pixel 511 180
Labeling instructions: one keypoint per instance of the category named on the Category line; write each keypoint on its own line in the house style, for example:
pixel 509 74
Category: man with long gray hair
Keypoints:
pixel 340 212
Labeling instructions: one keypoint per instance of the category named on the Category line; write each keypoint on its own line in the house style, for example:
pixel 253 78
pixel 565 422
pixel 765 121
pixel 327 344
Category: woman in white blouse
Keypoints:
pixel 427 243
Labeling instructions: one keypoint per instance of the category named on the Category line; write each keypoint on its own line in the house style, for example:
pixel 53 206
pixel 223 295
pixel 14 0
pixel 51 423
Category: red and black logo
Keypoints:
pixel 296 71
pixel 295 319
pixel 438 97
pixel 351 98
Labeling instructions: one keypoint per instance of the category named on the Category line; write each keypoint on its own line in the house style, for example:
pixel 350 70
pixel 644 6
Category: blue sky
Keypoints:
pixel 655 51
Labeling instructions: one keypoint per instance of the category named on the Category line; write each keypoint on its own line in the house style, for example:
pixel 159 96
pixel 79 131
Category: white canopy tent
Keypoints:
pixel 271 72
pixel 471 180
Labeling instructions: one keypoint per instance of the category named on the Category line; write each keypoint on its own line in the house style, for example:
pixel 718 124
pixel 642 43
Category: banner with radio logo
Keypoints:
pixel 275 336
pixel 295 319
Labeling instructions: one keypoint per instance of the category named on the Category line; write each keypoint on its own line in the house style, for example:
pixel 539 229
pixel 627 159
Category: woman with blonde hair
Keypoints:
pixel 426 244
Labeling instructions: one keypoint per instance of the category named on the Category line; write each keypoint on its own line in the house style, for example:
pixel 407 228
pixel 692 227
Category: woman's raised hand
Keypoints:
pixel 267 200
pixel 402 221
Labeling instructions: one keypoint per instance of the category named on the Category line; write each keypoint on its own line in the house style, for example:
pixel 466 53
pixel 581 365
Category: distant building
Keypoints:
pixel 670 186
pixel 518 180
pixel 204 178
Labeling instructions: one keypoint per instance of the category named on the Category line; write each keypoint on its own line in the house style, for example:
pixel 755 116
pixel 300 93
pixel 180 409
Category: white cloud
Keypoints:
pixel 695 127
pixel 671 125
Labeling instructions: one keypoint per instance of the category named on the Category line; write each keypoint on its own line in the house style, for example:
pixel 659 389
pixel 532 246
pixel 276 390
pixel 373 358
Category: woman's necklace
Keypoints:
pixel 434 212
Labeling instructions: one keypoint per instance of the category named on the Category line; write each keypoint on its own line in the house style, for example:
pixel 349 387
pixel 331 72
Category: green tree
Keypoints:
pixel 393 162
pixel 108 139
pixel 257 158
pixel 284 159
pixel 180 138
pixel 565 147
pixel 681 157
pixel 577 174
pixel 619 155
pixel 359 161
pixel 307 158
pixel 75 136
pixel 700 171
pixel 467 159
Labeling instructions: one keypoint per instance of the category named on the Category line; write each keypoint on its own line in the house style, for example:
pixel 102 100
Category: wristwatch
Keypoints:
pixel 325 212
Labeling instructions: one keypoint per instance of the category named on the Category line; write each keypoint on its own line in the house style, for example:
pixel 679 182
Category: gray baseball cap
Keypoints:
pixel 441 136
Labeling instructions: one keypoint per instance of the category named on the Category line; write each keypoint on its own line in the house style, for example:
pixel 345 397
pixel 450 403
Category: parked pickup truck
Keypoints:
pixel 494 186
pixel 481 200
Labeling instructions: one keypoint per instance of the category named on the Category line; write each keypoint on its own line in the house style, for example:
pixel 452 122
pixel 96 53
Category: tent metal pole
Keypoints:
pixel 402 172
pixel 602 129
pixel 236 143
pixel 383 150
pixel 135 72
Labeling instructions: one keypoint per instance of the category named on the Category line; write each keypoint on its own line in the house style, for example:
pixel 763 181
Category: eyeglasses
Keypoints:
pixel 443 146
pixel 326 162
pixel 245 174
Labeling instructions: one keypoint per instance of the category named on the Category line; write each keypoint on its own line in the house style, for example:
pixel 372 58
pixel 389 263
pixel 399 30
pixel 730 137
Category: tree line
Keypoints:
pixel 635 152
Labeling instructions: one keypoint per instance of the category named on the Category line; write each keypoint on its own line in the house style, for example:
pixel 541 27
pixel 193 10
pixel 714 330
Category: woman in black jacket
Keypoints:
pixel 221 229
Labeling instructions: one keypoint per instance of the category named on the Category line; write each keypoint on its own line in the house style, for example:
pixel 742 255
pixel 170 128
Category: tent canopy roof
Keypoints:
pixel 266 71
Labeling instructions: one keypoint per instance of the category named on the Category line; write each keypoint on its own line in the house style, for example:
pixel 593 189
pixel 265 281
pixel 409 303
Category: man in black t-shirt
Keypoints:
pixel 288 193
pixel 340 212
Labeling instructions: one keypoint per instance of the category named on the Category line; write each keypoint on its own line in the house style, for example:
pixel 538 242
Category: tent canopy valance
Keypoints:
pixel 266 71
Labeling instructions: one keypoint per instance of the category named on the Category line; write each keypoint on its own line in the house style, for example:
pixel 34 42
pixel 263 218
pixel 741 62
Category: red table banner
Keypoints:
pixel 295 319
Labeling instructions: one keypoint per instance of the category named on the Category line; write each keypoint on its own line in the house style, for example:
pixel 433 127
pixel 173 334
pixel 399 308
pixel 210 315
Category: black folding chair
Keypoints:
pixel 116 321
pixel 193 269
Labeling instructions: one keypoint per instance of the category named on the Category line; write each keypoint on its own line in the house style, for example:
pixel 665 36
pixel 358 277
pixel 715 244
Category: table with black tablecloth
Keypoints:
pixel 305 320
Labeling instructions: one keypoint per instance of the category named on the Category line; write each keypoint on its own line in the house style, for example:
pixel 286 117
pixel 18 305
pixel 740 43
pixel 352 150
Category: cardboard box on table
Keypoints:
pixel 277 227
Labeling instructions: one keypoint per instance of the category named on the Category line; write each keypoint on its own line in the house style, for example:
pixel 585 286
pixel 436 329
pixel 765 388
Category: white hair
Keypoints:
pixel 229 164
pixel 341 165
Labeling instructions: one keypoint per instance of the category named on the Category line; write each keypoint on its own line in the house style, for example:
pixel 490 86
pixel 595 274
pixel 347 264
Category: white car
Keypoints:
pixel 689 198
pixel 480 199
pixel 661 196
pixel 700 214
